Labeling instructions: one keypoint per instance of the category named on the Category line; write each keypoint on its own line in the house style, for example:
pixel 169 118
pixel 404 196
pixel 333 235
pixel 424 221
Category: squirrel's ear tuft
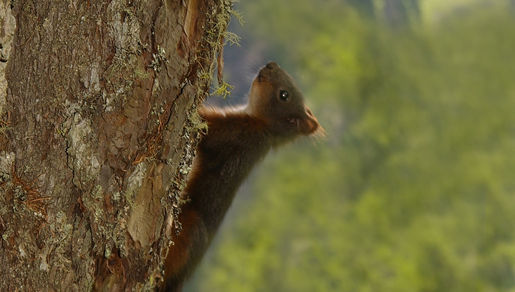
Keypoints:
pixel 319 133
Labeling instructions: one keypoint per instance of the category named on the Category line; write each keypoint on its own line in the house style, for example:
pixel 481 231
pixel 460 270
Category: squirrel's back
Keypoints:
pixel 235 141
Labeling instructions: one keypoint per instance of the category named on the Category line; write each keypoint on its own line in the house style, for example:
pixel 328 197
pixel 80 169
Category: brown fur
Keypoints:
pixel 235 142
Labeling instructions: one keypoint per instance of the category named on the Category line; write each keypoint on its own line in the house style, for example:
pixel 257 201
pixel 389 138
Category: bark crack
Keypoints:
pixel 69 159
pixel 153 28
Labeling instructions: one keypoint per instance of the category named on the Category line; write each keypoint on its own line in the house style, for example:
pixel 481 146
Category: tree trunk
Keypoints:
pixel 98 128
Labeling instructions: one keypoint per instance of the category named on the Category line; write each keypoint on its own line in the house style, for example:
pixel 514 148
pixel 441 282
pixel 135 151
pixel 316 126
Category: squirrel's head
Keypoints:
pixel 275 99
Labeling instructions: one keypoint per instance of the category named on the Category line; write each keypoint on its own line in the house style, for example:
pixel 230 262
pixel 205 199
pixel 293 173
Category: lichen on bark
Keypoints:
pixel 99 116
pixel 7 27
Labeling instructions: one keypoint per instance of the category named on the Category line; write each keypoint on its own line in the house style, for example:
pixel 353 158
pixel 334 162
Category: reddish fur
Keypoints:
pixel 180 249
pixel 236 141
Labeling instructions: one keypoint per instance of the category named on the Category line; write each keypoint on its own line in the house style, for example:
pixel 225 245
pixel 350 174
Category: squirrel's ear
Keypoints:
pixel 318 130
pixel 309 123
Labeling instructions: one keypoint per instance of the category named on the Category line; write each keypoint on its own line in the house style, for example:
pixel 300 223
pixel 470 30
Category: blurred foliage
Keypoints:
pixel 414 187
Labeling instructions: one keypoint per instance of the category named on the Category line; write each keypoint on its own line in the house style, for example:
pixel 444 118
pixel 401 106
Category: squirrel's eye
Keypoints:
pixel 284 95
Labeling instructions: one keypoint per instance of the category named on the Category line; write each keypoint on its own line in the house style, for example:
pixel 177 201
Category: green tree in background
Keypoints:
pixel 414 187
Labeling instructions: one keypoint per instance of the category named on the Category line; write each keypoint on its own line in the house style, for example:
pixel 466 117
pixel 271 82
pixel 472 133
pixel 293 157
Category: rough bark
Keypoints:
pixel 98 128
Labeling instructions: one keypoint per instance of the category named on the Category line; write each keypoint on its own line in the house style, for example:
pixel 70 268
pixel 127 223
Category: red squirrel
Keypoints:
pixel 235 141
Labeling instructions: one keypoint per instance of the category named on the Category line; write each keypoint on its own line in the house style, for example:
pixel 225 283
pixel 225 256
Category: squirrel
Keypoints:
pixel 236 140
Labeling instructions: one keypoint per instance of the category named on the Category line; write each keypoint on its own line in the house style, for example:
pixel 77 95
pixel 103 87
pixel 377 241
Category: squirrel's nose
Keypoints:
pixel 271 65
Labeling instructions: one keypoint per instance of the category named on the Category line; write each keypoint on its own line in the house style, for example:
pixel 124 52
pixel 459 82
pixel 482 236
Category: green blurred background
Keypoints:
pixel 413 189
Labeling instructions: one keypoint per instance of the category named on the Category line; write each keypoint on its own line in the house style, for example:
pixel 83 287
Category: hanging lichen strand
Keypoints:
pixel 97 132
